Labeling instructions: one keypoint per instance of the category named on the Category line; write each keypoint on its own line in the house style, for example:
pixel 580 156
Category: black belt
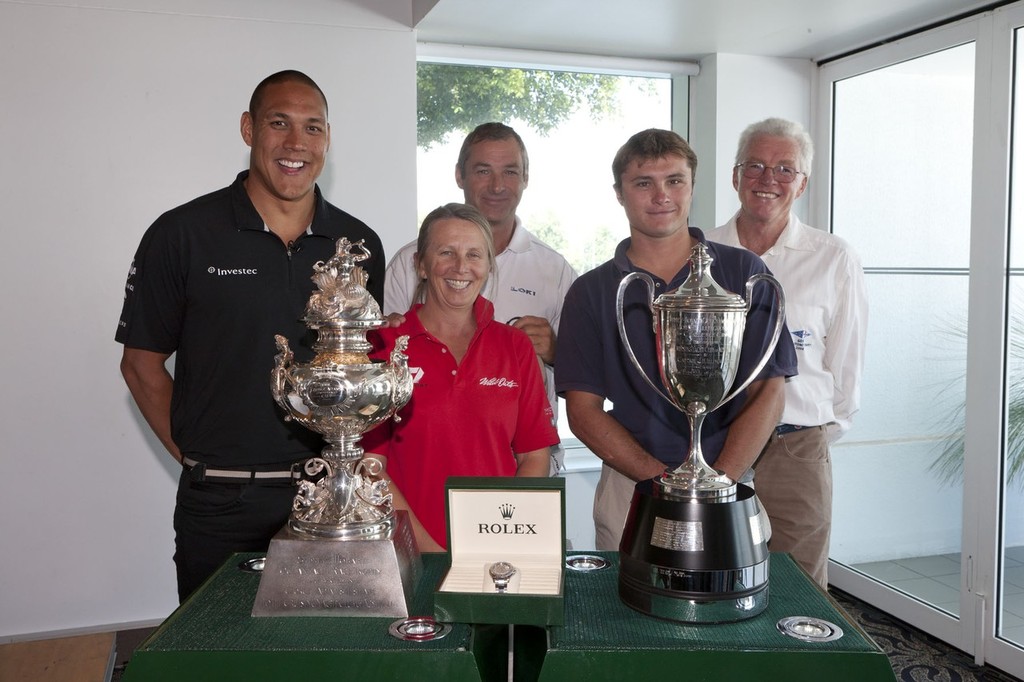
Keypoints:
pixel 783 429
pixel 200 472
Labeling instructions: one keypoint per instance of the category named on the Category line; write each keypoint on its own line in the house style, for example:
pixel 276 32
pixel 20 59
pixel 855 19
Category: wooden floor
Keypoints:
pixel 87 658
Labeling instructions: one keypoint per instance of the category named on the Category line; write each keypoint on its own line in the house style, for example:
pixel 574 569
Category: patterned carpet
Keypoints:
pixel 914 655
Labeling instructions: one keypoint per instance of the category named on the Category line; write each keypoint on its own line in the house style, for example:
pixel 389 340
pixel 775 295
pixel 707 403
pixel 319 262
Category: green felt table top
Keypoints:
pixel 213 637
pixel 597 619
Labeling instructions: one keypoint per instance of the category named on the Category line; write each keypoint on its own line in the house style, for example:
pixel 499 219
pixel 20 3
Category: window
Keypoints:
pixel 569 202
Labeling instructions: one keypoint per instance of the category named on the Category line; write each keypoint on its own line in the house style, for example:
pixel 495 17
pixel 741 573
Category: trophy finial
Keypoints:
pixel 341 295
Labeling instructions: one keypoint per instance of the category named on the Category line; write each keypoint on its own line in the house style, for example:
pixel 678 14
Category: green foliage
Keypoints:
pixel 583 254
pixel 548 230
pixel 949 464
pixel 454 98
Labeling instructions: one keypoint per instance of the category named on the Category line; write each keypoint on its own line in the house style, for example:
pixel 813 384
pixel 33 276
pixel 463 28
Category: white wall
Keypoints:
pixel 111 116
pixel 731 92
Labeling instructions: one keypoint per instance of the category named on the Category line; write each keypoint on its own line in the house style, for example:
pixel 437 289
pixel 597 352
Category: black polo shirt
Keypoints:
pixel 211 285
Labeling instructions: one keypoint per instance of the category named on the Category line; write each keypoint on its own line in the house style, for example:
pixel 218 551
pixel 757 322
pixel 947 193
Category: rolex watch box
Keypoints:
pixel 516 523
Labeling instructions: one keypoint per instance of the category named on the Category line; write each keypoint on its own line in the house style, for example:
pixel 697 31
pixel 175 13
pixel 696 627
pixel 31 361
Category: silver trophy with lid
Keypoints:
pixel 345 549
pixel 694 547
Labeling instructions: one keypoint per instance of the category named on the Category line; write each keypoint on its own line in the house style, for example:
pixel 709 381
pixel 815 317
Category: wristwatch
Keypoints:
pixel 501 573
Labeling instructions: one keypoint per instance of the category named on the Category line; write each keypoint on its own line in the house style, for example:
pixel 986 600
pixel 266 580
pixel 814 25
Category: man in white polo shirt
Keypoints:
pixel 826 312
pixel 530 279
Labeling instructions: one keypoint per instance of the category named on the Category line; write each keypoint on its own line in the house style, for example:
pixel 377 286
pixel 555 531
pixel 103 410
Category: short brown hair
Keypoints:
pixel 652 143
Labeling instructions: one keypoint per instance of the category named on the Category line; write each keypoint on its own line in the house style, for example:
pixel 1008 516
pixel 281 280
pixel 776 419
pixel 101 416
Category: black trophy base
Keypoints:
pixel 316 576
pixel 692 560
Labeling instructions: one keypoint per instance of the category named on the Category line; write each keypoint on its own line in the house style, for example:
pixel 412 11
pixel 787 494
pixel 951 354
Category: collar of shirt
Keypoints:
pixel 625 266
pixel 248 218
pixel 483 313
pixel 520 242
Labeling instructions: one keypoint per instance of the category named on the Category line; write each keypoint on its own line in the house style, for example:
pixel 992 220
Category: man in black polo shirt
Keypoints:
pixel 212 282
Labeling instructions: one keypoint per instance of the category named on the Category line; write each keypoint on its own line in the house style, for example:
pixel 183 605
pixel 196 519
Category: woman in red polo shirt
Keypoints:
pixel 478 405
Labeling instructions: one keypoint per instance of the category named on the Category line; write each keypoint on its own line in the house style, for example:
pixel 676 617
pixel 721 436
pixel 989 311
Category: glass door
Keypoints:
pixel 898 474
pixel 922 178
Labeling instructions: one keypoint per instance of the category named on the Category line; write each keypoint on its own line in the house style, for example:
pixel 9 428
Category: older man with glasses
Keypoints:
pixel 826 311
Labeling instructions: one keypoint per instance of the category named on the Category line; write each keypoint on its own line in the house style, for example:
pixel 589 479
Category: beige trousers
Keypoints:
pixel 611 504
pixel 794 483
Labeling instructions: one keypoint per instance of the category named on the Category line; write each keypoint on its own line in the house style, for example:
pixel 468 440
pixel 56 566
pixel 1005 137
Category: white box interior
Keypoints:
pixel 522 527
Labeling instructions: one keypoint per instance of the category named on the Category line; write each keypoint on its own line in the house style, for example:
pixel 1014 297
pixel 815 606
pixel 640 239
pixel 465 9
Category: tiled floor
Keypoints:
pixel 936 580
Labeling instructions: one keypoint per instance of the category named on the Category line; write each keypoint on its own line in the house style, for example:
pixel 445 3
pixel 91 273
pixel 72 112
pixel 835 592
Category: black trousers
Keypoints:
pixel 213 520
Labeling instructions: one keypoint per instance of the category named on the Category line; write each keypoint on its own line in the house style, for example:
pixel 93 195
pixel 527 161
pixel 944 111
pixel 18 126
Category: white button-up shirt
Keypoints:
pixel 827 315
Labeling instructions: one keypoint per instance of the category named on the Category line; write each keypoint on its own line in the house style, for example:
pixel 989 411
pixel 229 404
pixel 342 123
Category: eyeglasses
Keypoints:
pixel 753 171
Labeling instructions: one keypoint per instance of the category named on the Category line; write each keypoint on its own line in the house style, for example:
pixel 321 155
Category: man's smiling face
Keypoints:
pixel 289 138
pixel 765 199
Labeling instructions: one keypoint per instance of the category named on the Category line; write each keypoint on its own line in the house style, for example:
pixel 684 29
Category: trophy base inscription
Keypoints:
pixel 694 562
pixel 315 576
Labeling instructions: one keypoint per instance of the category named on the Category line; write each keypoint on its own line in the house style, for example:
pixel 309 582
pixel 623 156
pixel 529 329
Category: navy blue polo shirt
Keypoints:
pixel 590 356
pixel 211 285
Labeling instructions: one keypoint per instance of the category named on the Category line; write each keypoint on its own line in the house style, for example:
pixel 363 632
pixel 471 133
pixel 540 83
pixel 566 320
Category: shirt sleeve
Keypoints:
pixel 154 303
pixel 535 425
pixel 565 280
pixel 400 282
pixel 847 335
pixel 578 354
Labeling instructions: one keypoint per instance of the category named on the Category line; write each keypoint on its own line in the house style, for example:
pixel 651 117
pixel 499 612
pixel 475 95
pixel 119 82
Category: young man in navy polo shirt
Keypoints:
pixel 643 435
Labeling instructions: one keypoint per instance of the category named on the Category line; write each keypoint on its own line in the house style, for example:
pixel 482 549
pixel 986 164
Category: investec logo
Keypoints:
pixel 505 527
pixel 227 272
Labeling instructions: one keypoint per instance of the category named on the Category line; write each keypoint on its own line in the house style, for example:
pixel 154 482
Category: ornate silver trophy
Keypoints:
pixel 694 547
pixel 345 550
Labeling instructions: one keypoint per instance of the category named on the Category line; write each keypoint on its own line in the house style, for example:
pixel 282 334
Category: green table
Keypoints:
pixel 603 639
pixel 213 637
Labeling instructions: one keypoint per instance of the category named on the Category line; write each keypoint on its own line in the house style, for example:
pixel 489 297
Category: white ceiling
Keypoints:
pixel 683 29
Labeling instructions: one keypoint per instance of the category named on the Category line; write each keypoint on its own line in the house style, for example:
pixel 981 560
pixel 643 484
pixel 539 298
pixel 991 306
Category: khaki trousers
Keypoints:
pixel 794 483
pixel 611 504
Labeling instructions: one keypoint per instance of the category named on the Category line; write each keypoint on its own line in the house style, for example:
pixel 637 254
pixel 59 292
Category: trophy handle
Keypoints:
pixel 619 317
pixel 780 299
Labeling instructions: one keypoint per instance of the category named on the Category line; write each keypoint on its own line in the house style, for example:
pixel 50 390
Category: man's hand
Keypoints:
pixel 541 335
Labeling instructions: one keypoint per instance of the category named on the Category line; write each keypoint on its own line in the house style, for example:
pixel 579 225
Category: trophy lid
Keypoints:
pixel 700 291
pixel 341 299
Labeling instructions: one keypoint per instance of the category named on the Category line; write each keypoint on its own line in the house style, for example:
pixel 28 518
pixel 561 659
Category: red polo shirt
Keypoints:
pixel 465 419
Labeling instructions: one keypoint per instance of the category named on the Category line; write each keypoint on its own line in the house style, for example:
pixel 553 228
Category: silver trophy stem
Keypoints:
pixel 694 478
pixel 347 503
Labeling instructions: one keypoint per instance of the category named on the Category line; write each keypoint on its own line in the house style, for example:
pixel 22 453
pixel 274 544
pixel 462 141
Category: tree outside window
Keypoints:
pixel 572 124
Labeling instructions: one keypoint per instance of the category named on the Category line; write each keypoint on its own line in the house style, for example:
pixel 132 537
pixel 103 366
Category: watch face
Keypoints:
pixel 502 570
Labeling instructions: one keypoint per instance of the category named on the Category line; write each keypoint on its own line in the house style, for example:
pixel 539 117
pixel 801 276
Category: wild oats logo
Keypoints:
pixel 500 382
pixel 506 511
